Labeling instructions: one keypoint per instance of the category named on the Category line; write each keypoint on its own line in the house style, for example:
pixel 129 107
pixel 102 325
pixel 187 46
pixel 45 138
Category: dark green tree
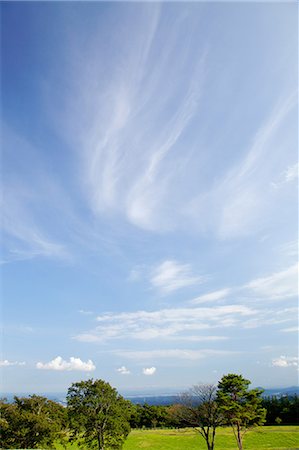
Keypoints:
pixel 198 408
pixel 31 422
pixel 98 414
pixel 241 407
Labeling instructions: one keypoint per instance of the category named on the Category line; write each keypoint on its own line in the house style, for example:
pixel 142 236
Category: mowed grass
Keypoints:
pixel 274 438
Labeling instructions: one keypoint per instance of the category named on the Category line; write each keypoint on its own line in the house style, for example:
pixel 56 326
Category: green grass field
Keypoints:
pixel 274 438
pixel 281 438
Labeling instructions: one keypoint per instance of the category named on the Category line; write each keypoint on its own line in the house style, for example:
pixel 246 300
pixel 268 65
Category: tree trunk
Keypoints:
pixel 100 442
pixel 239 438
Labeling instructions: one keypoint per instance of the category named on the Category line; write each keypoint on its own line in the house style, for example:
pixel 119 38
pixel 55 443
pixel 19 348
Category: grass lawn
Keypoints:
pixel 275 438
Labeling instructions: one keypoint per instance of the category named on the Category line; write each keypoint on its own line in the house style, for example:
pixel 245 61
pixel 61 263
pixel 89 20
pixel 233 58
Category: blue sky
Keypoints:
pixel 149 183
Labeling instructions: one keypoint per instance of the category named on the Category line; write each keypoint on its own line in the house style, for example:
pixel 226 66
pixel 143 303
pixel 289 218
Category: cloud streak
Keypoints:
pixel 167 324
pixel 237 204
pixel 7 363
pixel 187 354
pixel 169 276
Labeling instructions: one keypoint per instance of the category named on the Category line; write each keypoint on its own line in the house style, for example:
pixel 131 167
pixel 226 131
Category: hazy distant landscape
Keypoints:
pixel 159 397
pixel 149 224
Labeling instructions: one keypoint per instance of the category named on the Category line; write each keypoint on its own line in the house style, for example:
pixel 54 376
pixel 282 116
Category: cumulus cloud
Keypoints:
pixel 285 361
pixel 123 370
pixel 7 363
pixel 73 364
pixel 149 370
pixel 170 276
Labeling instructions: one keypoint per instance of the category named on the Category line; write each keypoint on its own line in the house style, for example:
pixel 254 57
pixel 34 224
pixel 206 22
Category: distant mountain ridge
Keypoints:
pixel 160 398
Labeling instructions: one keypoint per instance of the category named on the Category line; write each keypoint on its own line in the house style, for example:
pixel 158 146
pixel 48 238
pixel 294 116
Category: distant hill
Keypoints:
pixel 150 398
pixel 281 392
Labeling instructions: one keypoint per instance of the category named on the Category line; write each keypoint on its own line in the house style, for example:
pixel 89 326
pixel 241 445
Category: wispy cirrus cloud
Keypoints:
pixel 60 364
pixel 212 296
pixel 279 285
pixel 138 119
pixel 188 354
pixel 171 275
pixel 290 249
pixel 7 363
pixel 287 176
pixel 167 324
pixel 290 329
pixel 30 201
pixel 275 286
pixel 198 323
pixel 237 204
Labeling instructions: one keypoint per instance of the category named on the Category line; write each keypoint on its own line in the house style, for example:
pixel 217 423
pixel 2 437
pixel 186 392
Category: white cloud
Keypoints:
pixel 285 361
pixel 89 337
pixel 130 130
pixel 6 363
pixel 290 248
pixel 287 176
pixel 27 233
pixel 241 201
pixel 123 370
pixel 211 296
pixel 73 364
pixel 167 324
pixel 85 313
pixel 290 330
pixel 278 285
pixel 149 370
pixel 170 275
pixel 197 323
pixel 188 354
pixel 271 316
pixel 134 275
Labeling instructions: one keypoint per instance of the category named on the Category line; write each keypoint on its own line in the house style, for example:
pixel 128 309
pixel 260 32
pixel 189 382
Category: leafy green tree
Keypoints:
pixel 98 414
pixel 198 408
pixel 150 416
pixel 31 422
pixel 283 410
pixel 241 407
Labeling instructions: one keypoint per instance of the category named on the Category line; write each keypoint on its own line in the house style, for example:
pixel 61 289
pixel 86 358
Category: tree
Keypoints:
pixel 31 422
pixel 198 408
pixel 98 414
pixel 242 408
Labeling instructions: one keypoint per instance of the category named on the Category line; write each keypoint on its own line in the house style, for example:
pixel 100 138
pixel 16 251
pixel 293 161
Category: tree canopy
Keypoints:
pixel 31 422
pixel 241 407
pixel 98 414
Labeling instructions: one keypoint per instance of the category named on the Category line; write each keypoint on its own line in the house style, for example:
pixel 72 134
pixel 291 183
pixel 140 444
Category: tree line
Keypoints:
pixel 97 417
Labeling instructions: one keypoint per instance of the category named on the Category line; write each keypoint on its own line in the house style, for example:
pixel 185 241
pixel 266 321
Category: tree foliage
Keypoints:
pixel 98 414
pixel 31 422
pixel 241 407
pixel 282 410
